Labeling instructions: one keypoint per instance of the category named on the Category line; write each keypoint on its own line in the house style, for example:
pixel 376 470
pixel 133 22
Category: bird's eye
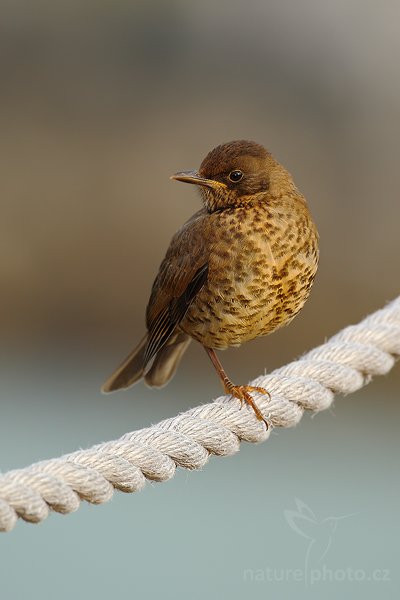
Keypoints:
pixel 235 175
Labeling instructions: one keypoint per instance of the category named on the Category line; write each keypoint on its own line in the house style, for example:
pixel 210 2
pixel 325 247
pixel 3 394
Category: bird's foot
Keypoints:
pixel 242 393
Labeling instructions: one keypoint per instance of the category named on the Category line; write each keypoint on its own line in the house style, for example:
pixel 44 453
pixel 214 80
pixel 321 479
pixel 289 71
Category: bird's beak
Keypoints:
pixel 195 177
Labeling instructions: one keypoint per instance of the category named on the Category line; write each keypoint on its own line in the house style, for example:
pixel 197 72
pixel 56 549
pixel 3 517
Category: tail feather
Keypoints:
pixel 167 360
pixel 162 369
pixel 130 371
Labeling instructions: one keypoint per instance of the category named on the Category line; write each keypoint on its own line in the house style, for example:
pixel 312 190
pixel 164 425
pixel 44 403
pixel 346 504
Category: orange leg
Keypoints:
pixel 242 392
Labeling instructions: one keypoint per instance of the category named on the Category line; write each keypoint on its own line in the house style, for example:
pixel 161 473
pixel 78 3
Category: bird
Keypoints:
pixel 241 267
pixel 319 532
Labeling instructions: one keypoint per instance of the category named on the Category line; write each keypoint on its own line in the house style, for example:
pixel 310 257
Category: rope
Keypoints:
pixel 343 364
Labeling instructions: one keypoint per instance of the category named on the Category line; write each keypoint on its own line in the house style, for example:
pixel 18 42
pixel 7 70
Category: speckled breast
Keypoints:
pixel 262 265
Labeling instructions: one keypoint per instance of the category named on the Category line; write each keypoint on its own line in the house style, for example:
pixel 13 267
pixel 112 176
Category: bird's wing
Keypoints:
pixel 302 525
pixel 182 274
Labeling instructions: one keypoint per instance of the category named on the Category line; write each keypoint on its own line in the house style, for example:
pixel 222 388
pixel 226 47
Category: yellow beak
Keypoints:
pixel 195 177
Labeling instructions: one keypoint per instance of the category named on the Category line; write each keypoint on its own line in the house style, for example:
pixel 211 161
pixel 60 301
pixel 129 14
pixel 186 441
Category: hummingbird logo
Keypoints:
pixel 318 532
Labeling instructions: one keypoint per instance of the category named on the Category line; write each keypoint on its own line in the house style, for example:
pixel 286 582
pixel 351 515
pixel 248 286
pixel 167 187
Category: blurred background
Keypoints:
pixel 99 103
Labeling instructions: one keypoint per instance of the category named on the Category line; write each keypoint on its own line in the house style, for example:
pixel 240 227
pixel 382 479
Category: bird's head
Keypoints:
pixel 237 173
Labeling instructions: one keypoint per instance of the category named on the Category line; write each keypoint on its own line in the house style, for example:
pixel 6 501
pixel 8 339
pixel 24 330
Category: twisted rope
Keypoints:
pixel 343 364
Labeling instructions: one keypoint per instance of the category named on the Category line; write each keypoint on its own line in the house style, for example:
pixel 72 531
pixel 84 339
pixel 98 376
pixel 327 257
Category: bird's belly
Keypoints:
pixel 250 299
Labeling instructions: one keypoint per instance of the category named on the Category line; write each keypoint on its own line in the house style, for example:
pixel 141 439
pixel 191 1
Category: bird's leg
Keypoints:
pixel 241 392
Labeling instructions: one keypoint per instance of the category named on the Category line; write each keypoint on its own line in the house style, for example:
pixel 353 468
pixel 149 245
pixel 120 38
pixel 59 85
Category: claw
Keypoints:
pixel 242 393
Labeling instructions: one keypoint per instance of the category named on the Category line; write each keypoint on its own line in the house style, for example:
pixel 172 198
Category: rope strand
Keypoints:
pixel 342 365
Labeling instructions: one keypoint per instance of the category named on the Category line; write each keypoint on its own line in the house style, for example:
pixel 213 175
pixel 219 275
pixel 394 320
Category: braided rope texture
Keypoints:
pixel 343 364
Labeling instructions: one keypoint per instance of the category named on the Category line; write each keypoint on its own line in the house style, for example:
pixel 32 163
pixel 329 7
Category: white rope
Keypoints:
pixel 343 364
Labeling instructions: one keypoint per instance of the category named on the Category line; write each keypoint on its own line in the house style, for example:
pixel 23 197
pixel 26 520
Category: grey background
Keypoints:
pixel 100 102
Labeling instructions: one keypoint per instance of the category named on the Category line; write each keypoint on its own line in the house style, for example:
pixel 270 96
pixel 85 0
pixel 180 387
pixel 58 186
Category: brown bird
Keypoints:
pixel 241 267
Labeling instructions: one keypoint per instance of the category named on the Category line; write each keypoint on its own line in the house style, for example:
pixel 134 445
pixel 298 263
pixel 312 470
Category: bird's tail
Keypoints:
pixel 167 360
pixel 161 370
pixel 130 371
